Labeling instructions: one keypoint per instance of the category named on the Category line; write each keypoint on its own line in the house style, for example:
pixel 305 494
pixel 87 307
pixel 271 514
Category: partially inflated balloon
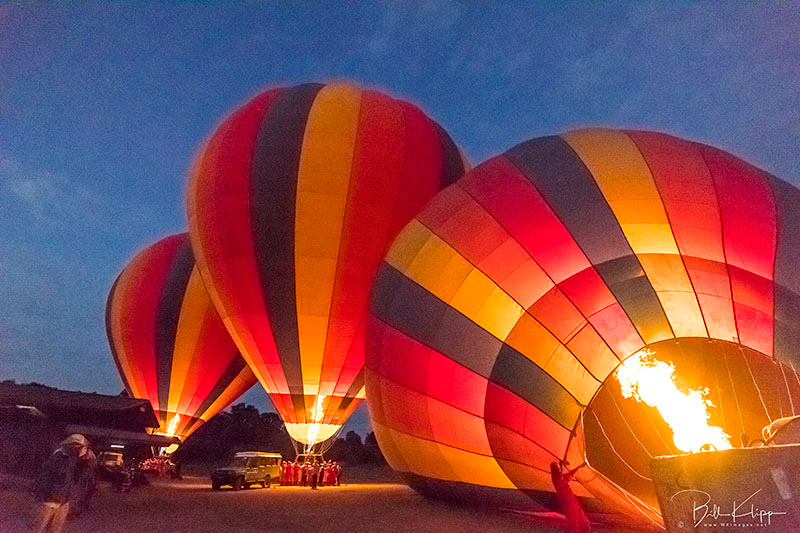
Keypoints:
pixel 168 342
pixel 292 203
pixel 502 310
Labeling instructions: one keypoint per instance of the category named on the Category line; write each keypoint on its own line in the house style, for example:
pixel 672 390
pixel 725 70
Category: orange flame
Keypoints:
pixel 313 429
pixel 173 424
pixel 686 413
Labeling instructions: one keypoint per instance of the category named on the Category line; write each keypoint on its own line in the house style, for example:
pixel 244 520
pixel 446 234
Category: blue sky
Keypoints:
pixel 103 106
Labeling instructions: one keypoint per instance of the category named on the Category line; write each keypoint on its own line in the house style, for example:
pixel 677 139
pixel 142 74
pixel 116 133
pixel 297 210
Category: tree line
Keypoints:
pixel 243 427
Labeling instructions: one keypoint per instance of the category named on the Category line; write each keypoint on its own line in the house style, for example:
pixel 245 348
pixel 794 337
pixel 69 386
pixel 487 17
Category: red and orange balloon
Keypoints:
pixel 502 309
pixel 168 341
pixel 292 203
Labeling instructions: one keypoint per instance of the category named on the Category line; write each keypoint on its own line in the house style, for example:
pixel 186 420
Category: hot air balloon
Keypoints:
pixel 292 203
pixel 503 310
pixel 168 342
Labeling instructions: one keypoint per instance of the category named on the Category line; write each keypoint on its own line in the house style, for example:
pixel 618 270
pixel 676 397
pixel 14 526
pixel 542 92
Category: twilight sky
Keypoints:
pixel 103 107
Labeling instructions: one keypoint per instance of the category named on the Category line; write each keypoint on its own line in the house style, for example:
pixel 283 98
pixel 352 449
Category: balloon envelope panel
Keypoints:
pixel 168 341
pixel 505 305
pixel 292 203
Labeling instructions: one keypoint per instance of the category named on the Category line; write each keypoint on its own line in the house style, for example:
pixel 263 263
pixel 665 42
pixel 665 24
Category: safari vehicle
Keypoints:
pixel 247 469
pixel 109 460
pixel 109 464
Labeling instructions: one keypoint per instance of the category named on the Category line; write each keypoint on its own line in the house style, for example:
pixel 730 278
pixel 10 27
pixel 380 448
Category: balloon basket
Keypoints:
pixel 741 489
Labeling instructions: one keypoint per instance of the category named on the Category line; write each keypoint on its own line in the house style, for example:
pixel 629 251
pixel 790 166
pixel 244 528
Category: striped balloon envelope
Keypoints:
pixel 168 342
pixel 292 203
pixel 502 310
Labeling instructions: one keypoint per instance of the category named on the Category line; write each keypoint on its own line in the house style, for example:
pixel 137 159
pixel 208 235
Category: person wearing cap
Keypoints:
pixel 55 481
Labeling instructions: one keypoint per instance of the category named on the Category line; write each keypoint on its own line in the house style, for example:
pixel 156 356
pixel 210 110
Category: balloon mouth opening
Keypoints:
pixel 737 386
pixel 171 425
pixel 310 434
pixel 177 425
pixel 169 450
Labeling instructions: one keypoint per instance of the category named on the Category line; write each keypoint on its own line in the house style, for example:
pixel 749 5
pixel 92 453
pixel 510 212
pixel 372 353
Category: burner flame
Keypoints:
pixel 653 382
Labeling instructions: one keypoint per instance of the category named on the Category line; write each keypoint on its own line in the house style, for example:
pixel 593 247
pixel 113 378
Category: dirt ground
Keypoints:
pixel 191 505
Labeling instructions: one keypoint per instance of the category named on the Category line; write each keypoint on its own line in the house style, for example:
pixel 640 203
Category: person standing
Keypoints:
pixel 337 470
pixel 577 521
pixel 298 472
pixel 54 484
pixel 326 474
pixel 315 471
pixel 85 482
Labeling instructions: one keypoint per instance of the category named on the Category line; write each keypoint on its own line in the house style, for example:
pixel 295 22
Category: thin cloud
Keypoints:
pixel 48 197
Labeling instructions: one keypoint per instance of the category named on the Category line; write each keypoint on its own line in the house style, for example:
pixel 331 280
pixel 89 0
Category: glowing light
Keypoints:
pixel 171 449
pixel 173 424
pixel 300 432
pixel 686 413
pixel 313 429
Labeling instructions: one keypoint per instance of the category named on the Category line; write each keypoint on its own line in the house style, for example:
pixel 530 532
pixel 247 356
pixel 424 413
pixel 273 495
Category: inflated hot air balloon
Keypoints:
pixel 168 342
pixel 501 312
pixel 292 203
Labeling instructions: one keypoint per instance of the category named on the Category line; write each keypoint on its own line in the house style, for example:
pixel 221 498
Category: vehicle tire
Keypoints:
pixel 237 483
pixel 267 482
pixel 214 485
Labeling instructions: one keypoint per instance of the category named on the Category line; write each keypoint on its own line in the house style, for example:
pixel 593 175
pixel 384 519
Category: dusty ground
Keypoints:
pixel 191 505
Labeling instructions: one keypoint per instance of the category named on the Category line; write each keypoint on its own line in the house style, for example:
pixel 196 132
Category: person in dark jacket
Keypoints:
pixel 315 473
pixel 85 483
pixel 55 481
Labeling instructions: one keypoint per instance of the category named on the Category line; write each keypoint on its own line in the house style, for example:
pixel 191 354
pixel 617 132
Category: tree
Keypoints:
pixel 372 449
pixel 240 428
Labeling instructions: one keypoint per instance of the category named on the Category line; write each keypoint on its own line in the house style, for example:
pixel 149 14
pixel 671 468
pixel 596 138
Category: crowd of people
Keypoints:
pixel 311 473
pixel 161 466
pixel 68 478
